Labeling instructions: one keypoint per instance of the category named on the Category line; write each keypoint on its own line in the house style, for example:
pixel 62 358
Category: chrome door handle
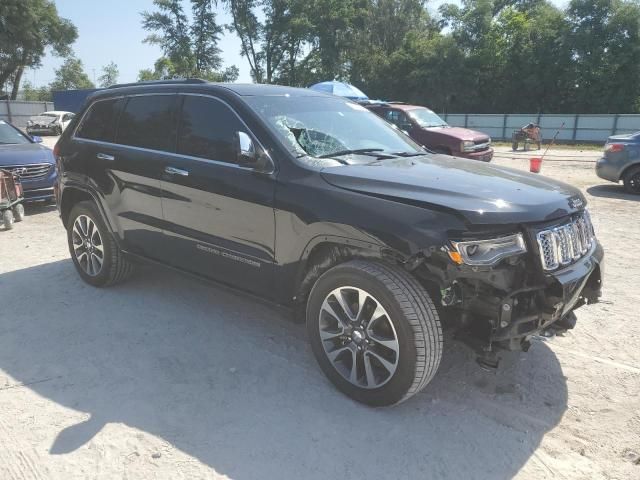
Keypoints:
pixel 176 171
pixel 104 156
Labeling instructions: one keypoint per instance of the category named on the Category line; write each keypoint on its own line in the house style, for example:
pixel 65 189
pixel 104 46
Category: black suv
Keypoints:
pixel 311 201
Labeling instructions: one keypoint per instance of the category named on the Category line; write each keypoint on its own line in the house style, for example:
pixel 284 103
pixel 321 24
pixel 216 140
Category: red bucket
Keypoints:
pixel 535 164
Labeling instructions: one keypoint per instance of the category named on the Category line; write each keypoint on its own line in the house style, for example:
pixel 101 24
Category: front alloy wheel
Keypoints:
pixel 358 337
pixel 374 331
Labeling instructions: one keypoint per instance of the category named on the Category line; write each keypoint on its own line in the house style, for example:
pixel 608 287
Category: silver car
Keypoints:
pixel 53 122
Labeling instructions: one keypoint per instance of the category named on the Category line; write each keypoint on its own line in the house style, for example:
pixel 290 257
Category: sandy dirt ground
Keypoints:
pixel 166 377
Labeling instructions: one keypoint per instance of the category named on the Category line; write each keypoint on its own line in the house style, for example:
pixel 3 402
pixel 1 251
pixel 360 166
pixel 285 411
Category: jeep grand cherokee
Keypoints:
pixel 311 201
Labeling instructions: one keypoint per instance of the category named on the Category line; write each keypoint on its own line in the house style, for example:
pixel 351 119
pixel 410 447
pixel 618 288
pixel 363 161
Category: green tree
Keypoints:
pixel 189 49
pixel 27 28
pixel 71 76
pixel 272 36
pixel 605 41
pixel 109 75
pixel 32 94
pixel 205 35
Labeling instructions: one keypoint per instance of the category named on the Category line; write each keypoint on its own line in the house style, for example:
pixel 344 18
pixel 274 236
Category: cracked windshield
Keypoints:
pixel 324 127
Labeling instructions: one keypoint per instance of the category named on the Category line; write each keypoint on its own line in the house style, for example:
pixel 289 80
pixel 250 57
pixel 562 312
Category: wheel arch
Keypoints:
pixel 71 195
pixel 627 168
pixel 326 251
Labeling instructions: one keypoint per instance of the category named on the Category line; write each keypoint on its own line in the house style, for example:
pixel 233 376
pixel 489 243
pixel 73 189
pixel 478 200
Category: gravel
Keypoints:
pixel 168 377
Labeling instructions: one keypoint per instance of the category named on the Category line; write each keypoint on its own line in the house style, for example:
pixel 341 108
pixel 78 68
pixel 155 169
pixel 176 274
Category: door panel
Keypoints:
pixel 219 216
pixel 125 166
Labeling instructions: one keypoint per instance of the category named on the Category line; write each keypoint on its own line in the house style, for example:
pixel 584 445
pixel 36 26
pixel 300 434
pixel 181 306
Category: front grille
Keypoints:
pixel 566 243
pixel 30 172
pixel 480 145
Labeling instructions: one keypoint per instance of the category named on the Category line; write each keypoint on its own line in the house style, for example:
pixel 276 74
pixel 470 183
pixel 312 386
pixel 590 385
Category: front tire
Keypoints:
pixel 374 331
pixel 632 180
pixel 95 254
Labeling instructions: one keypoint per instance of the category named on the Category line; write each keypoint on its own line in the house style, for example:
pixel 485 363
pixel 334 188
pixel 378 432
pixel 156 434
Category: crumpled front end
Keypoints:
pixel 501 306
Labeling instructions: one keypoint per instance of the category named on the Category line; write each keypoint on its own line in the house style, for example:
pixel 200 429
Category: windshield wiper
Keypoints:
pixel 357 151
pixel 406 154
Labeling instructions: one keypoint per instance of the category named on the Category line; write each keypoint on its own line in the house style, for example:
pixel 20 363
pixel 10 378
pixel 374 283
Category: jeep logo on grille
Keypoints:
pixel 575 202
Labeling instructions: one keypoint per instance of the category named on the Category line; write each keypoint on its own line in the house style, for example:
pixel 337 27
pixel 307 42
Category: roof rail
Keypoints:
pixel 174 81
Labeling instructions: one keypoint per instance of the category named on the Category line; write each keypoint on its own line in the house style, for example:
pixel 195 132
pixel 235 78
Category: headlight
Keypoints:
pixel 487 252
pixel 467 146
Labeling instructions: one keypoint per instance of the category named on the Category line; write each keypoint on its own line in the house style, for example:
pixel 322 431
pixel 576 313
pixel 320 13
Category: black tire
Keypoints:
pixel 115 266
pixel 410 310
pixel 631 180
pixel 7 219
pixel 18 212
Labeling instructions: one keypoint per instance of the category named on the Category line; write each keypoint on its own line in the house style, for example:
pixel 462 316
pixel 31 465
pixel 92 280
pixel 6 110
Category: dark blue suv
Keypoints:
pixel 32 162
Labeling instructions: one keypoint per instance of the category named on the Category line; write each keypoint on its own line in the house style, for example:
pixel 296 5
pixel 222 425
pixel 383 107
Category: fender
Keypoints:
pixel 97 198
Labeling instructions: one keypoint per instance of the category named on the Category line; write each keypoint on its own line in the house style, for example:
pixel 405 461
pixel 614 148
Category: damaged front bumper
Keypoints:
pixel 548 304
pixel 501 308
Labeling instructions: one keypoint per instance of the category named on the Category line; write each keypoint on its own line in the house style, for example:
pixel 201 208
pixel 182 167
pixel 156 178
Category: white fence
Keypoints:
pixel 18 112
pixel 577 127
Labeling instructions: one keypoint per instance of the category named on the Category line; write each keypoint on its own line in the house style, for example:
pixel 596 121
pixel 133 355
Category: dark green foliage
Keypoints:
pixel 190 49
pixel 71 76
pixel 27 28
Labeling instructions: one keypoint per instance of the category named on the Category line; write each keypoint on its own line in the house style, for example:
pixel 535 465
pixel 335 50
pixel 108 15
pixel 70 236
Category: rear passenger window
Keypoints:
pixel 99 123
pixel 148 121
pixel 208 129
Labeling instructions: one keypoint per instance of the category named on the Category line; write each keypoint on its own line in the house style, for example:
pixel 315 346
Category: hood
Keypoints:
pixel 459 133
pixel 482 193
pixel 25 154
pixel 43 119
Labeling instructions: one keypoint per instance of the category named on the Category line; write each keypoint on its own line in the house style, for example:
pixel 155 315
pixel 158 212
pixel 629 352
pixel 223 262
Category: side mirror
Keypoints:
pixel 36 139
pixel 248 155
pixel 406 127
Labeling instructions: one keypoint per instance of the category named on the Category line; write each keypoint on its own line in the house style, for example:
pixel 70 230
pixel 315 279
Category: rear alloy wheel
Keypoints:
pixel 632 180
pixel 95 254
pixel 374 331
pixel 87 245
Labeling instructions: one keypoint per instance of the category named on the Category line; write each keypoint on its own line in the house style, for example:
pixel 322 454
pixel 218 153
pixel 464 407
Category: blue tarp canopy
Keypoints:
pixel 341 89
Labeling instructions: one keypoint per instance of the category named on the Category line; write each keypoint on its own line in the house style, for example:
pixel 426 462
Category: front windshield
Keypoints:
pixel 11 136
pixel 322 126
pixel 48 115
pixel 426 118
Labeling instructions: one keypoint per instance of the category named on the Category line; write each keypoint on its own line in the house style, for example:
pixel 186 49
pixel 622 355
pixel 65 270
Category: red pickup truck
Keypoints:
pixel 428 129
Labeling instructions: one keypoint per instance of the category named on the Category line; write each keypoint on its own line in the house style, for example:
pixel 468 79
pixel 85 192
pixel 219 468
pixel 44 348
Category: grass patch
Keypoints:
pixel 560 146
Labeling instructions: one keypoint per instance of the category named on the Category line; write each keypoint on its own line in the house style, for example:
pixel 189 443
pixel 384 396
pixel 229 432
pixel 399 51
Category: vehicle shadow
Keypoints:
pixel 38 208
pixel 612 191
pixel 233 383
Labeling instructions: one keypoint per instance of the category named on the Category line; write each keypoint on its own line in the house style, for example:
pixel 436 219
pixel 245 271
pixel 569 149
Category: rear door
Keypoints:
pixel 127 170
pixel 219 215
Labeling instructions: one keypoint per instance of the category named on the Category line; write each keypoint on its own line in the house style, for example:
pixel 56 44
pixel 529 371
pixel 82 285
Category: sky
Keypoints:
pixel 111 30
